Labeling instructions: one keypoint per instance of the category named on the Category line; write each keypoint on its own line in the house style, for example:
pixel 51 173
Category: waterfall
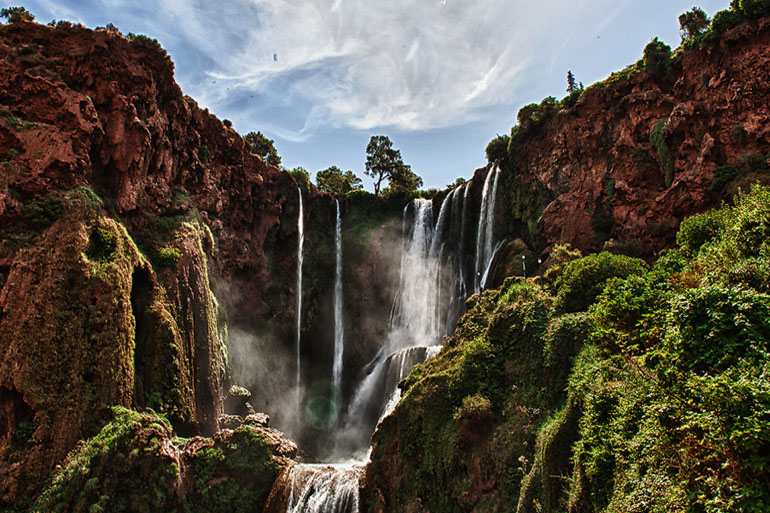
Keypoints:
pixel 322 488
pixel 414 329
pixel 485 231
pixel 339 327
pixel 300 243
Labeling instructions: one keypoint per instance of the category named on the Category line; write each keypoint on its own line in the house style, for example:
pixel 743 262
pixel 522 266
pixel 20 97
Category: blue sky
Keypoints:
pixel 439 77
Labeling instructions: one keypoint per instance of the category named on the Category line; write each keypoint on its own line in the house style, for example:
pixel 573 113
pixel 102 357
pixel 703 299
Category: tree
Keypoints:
pixel 497 149
pixel 259 145
pixel 657 56
pixel 383 162
pixel 14 14
pixel 693 23
pixel 403 179
pixel 334 180
pixel 571 82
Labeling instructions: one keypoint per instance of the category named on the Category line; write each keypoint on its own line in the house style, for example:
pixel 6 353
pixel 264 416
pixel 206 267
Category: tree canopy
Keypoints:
pixel 384 163
pixel 14 14
pixel 693 23
pixel 259 145
pixel 334 180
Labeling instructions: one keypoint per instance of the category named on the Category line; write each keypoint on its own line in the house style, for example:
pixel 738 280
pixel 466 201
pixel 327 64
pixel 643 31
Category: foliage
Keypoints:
pixel 384 163
pixel 142 41
pixel 583 279
pixel 101 245
pixel 43 211
pixel 497 149
pixel 258 144
pixel 658 141
pixel 302 177
pixel 122 468
pixel 693 23
pixel 337 182
pixel 697 230
pixel 16 14
pixel 571 82
pixel 167 256
pixel 657 57
pixel 204 154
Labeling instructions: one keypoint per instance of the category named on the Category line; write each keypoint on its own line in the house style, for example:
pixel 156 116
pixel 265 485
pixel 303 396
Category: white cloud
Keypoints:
pixel 405 64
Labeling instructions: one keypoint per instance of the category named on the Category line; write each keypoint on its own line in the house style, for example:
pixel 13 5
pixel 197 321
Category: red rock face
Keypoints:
pixel 597 170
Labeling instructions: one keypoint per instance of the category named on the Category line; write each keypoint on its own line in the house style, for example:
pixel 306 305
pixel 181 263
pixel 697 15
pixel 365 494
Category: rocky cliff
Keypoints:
pixel 625 160
pixel 128 219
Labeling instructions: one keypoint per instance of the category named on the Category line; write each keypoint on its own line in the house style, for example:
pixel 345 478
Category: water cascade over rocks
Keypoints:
pixel 433 284
pixel 300 244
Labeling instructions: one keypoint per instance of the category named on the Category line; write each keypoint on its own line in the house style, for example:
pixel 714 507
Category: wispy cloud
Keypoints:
pixel 404 64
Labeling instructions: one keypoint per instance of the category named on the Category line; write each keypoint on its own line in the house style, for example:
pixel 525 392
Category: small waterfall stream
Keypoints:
pixel 339 327
pixel 485 232
pixel 300 244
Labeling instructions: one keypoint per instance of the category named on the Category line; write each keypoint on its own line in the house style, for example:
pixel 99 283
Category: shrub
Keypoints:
pixel 497 149
pixel 696 231
pixel 101 246
pixel 43 211
pixel 167 257
pixel 657 57
pixel 658 141
pixel 723 176
pixel 142 41
pixel 754 8
pixel 584 279
pixel 204 154
pixel 725 20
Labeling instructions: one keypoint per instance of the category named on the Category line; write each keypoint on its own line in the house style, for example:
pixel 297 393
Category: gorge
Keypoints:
pixel 580 326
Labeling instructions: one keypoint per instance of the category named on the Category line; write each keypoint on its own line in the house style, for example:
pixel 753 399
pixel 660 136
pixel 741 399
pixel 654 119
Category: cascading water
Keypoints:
pixel 300 244
pixel 430 297
pixel 485 231
pixel 339 327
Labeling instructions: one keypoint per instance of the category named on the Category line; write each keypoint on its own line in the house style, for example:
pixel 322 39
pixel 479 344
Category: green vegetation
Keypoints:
pixel 657 57
pixel 658 141
pixel 101 245
pixel 167 256
pixel 259 145
pixel 16 14
pixel 653 396
pixel 43 211
pixel 124 467
pixel 497 149
pixel 302 177
pixel 337 182
pixel 204 154
pixel 384 164
pixel 234 475
pixel 142 41
pixel 693 23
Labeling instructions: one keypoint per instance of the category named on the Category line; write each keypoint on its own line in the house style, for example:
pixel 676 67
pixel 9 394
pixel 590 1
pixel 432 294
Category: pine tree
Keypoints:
pixel 571 82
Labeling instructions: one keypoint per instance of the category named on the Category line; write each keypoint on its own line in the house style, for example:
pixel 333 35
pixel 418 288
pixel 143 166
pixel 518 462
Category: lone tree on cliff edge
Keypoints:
pixel 383 162
pixel 572 85
pixel 258 144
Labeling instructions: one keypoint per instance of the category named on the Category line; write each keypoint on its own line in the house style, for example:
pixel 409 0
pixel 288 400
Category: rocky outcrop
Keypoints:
pixel 598 170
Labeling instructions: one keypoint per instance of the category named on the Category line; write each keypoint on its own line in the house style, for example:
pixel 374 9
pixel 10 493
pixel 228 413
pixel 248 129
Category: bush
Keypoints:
pixel 43 211
pixel 725 20
pixel 584 279
pixel 754 8
pixel 101 246
pixel 723 176
pixel 167 257
pixel 657 57
pixel 696 231
pixel 658 141
pixel 693 23
pixel 142 41
pixel 204 154
pixel 497 149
